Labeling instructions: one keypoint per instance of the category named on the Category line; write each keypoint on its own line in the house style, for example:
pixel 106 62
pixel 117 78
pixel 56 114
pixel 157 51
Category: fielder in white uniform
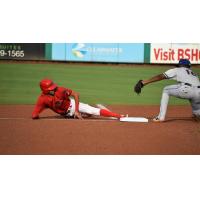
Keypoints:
pixel 188 87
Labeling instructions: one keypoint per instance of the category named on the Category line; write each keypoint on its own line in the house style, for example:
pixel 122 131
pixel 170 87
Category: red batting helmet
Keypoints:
pixel 47 85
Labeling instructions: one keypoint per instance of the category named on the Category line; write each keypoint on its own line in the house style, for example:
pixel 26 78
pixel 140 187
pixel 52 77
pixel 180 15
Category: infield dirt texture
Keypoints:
pixel 106 84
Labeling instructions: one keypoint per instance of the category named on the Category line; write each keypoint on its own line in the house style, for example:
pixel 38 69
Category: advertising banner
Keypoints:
pixel 59 51
pixel 99 52
pixel 170 53
pixel 93 52
pixel 22 51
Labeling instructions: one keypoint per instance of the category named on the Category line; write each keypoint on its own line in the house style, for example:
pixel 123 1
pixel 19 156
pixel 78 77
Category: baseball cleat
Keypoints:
pixel 156 119
pixel 124 116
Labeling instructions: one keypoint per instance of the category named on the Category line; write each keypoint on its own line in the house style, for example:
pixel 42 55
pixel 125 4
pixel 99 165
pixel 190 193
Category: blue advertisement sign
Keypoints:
pixel 58 51
pixel 99 52
pixel 132 53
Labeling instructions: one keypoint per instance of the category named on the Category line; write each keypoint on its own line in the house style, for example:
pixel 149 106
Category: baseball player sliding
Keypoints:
pixel 59 100
pixel 188 87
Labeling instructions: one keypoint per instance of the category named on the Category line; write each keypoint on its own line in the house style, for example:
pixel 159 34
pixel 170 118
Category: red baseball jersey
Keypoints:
pixel 59 102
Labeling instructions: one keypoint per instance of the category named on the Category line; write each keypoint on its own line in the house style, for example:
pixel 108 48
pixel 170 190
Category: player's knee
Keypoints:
pixel 165 89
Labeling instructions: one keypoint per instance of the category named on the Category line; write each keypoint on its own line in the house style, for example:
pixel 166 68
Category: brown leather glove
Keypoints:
pixel 138 87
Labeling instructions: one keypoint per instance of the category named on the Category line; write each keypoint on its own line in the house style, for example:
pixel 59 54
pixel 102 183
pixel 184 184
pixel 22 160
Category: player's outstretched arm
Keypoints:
pixel 77 114
pixel 154 79
pixel 39 107
pixel 141 83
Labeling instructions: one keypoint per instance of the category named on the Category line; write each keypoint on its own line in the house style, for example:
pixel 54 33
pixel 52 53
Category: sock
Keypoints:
pixel 107 113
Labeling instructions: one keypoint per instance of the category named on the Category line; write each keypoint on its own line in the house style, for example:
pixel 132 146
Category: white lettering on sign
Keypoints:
pixel 105 50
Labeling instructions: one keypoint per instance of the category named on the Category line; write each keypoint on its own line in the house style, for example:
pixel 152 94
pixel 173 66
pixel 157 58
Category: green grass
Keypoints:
pixel 107 84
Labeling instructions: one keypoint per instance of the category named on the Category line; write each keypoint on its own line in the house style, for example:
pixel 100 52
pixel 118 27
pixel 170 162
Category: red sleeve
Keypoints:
pixel 39 107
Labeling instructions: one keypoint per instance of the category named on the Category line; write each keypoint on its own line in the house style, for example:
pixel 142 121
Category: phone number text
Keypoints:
pixel 11 53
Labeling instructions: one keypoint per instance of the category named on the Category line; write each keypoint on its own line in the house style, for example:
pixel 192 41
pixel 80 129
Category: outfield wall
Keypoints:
pixel 158 53
pixel 22 51
pixel 99 52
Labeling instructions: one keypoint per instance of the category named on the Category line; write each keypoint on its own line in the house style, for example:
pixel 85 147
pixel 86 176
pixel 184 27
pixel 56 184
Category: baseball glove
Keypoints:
pixel 138 87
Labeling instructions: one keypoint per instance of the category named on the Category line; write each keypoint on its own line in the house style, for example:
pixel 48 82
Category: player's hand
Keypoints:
pixel 77 115
pixel 138 87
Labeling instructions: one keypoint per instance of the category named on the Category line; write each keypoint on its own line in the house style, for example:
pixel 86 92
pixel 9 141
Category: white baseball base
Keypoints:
pixel 133 119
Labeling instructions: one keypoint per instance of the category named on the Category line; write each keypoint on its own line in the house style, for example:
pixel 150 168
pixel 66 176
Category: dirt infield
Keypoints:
pixel 55 135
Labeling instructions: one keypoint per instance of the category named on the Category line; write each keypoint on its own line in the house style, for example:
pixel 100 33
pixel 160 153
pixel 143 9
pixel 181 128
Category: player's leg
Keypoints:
pixel 90 110
pixel 195 109
pixel 195 103
pixel 172 90
pixel 85 108
pixel 193 94
pixel 179 91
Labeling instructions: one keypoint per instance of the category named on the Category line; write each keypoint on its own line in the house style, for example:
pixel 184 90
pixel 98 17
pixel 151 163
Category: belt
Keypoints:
pixel 188 84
